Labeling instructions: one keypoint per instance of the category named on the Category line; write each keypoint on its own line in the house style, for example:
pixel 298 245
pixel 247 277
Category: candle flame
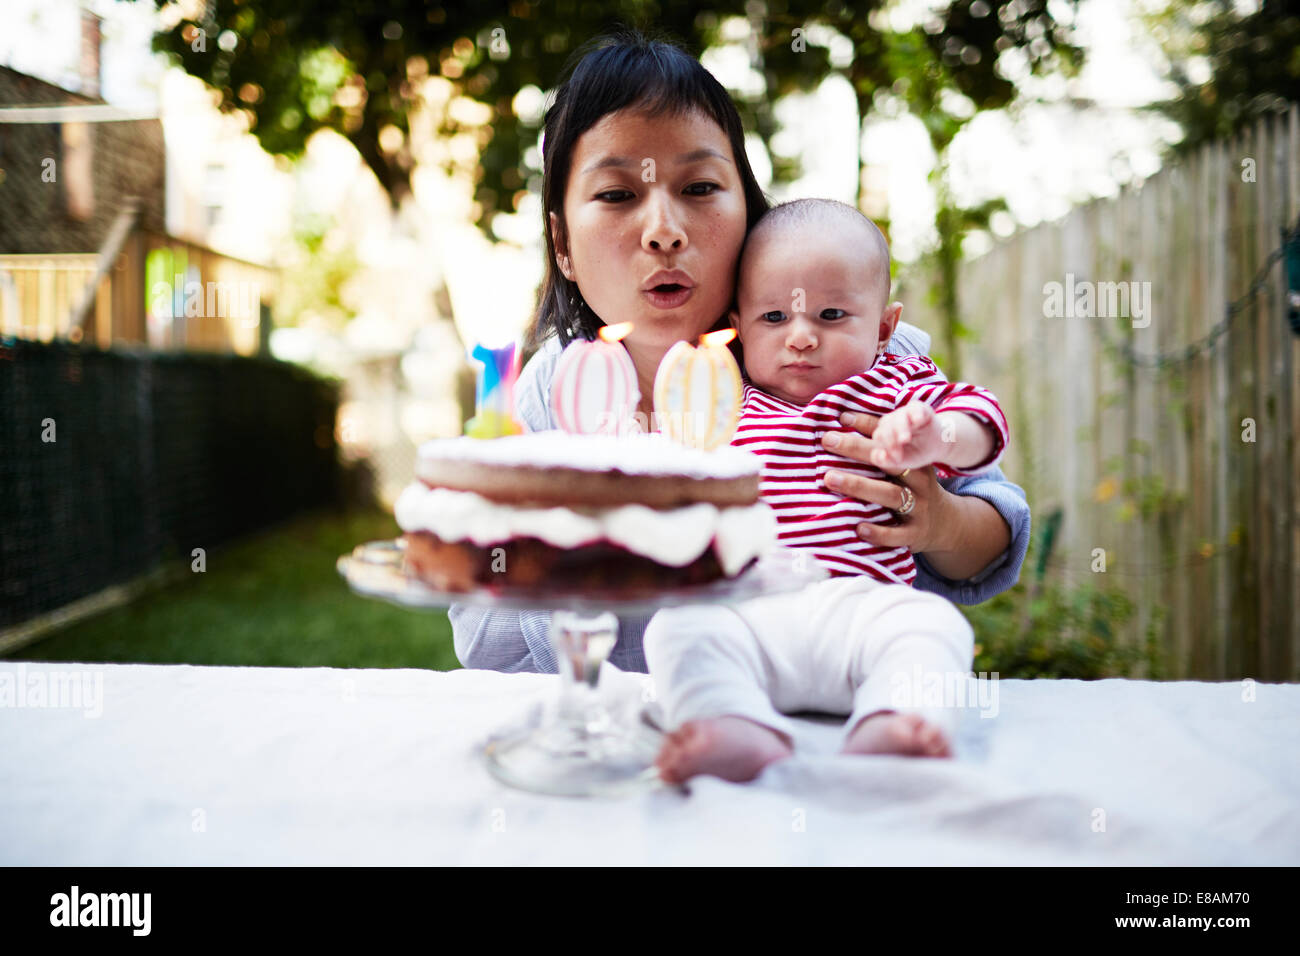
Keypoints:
pixel 718 338
pixel 615 333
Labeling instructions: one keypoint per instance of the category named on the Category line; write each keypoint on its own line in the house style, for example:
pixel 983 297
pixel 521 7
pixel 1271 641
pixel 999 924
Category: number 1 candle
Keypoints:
pixel 494 401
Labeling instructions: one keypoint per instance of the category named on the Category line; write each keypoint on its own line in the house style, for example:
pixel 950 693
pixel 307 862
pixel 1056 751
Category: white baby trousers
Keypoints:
pixel 847 645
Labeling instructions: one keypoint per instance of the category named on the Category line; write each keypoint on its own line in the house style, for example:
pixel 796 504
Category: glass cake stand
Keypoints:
pixel 580 747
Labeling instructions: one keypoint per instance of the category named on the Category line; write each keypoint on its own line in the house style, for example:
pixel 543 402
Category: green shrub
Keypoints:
pixel 1041 628
pixel 1061 633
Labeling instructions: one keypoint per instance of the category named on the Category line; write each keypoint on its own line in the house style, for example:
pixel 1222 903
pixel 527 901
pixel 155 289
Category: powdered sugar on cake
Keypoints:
pixel 646 454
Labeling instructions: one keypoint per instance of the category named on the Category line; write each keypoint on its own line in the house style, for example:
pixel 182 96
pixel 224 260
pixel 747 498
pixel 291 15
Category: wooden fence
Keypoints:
pixel 1168 440
pixel 39 292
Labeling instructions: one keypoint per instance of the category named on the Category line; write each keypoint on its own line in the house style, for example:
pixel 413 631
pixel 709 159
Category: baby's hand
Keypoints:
pixel 908 437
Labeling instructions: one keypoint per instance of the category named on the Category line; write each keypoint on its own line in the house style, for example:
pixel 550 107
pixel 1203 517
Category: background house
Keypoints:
pixel 85 241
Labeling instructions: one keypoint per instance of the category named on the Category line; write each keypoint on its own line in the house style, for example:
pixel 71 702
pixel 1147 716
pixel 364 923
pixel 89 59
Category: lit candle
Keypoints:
pixel 698 392
pixel 594 390
pixel 495 397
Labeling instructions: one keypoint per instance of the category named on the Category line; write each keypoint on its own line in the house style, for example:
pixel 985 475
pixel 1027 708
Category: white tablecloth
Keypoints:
pixel 219 765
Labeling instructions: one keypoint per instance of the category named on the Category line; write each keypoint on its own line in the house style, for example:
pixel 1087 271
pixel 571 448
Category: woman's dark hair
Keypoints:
pixel 605 75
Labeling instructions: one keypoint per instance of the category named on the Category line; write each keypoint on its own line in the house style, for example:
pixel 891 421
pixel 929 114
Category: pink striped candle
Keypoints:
pixel 594 390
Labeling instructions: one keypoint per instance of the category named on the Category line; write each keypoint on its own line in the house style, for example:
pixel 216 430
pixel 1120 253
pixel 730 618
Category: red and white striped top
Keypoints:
pixel 787 437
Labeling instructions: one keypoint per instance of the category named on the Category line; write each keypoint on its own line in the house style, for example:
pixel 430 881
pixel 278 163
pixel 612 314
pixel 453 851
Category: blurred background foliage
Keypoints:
pixel 1231 64
pixel 356 68
pixel 313 281
pixel 353 67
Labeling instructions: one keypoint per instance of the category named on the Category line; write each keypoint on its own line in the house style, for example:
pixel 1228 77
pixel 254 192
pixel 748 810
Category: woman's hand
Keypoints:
pixel 960 535
pixel 923 527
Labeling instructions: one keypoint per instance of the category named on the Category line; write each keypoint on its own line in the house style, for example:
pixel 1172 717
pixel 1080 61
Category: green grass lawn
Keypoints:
pixel 271 600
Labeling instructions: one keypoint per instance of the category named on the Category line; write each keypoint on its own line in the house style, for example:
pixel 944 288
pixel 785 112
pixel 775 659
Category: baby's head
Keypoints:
pixel 812 298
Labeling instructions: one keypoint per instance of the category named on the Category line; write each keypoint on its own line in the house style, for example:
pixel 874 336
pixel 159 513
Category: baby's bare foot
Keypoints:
pixel 894 733
pixel 732 748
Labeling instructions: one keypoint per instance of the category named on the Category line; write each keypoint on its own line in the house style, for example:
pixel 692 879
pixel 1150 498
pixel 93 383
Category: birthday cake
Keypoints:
pixel 581 512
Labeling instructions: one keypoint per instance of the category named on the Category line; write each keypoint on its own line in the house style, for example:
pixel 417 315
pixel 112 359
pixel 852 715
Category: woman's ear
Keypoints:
pixel 561 249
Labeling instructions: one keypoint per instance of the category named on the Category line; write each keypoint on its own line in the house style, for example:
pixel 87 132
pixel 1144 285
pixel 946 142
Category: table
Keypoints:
pixel 231 765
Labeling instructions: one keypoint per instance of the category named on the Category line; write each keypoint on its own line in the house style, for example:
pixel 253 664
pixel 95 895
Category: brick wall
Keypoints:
pixel 125 159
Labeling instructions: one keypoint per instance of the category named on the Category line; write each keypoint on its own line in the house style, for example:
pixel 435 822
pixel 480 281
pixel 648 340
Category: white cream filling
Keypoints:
pixel 674 537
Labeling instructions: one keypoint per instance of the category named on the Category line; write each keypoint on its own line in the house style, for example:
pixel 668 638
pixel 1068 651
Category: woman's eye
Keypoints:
pixel 772 316
pixel 832 313
pixel 618 195
pixel 707 187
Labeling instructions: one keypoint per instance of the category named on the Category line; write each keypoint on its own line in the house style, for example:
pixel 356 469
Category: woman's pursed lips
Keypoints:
pixel 665 299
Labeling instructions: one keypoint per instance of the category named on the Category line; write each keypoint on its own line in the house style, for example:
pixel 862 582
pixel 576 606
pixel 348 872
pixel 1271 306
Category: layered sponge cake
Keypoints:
pixel 593 513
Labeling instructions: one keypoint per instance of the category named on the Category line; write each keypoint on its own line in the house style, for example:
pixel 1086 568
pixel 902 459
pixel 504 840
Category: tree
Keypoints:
pixel 1231 68
pixel 354 67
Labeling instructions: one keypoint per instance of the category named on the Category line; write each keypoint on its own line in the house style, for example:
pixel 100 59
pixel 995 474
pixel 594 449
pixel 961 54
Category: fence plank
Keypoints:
pixel 1293 358
pixel 1265 446
pixel 1283 497
pixel 1227 471
pixel 104 312
pixel 1242 254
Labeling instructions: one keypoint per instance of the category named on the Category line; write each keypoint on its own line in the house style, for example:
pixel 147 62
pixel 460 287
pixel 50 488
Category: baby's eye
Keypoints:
pixel 772 317
pixel 708 187
pixel 832 313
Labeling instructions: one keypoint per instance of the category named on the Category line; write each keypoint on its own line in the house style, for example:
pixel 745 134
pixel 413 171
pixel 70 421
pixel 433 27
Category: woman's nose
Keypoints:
pixel 664 229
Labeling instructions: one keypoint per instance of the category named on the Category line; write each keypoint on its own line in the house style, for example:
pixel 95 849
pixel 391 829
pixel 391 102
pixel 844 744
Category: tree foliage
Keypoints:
pixel 1253 62
pixel 354 66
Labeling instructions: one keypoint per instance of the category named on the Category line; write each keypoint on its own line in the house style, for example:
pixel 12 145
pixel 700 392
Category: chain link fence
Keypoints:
pixel 113 463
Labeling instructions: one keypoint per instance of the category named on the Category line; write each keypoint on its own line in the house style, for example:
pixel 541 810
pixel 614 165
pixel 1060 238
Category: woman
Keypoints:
pixel 645 172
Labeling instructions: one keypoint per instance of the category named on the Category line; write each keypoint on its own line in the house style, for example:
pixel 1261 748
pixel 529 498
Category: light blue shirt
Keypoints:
pixel 511 641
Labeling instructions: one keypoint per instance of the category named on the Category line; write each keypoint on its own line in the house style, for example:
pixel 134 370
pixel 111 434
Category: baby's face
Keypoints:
pixel 812 309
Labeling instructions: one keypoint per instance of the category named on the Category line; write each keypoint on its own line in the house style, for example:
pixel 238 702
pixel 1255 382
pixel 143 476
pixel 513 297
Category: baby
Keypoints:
pixel 814 320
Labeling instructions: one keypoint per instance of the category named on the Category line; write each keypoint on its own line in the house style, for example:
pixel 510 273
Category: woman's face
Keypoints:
pixel 648 195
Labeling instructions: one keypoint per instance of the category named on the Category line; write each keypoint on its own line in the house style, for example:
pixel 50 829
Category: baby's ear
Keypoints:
pixel 734 318
pixel 889 319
